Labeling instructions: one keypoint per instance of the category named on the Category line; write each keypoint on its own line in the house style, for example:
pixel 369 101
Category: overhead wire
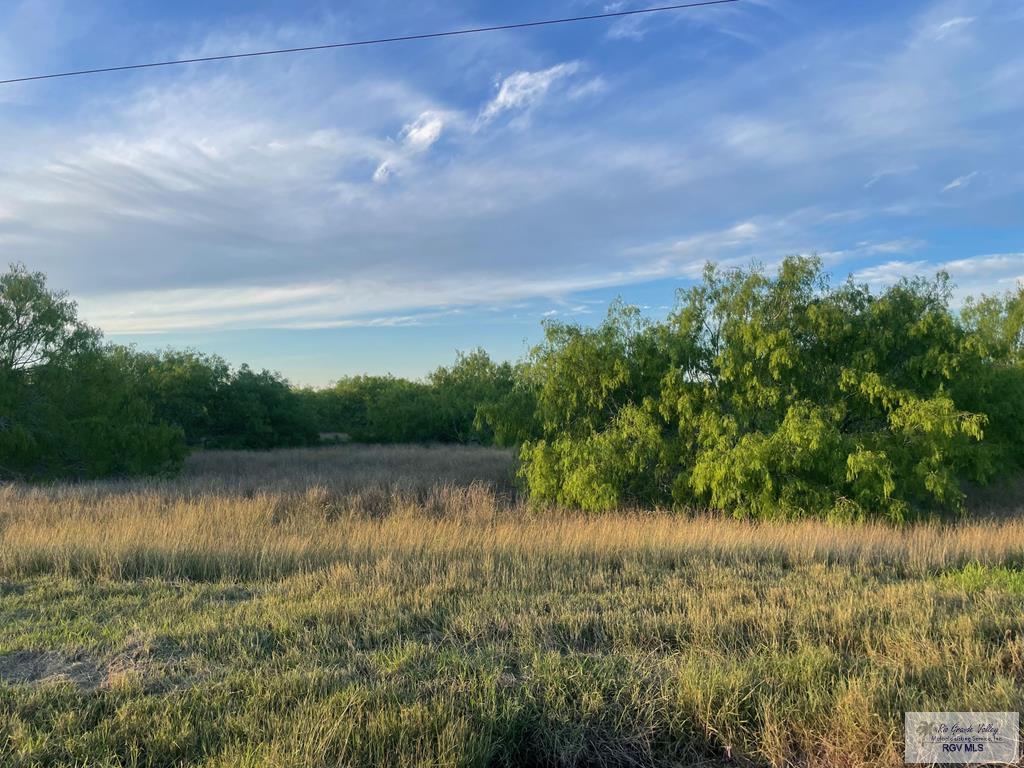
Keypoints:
pixel 374 41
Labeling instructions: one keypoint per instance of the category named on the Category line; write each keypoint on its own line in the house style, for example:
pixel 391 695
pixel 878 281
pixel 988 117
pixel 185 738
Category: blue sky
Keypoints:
pixel 376 209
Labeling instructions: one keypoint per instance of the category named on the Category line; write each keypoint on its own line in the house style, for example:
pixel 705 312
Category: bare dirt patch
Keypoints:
pixel 143 661
pixel 38 667
pixel 10 588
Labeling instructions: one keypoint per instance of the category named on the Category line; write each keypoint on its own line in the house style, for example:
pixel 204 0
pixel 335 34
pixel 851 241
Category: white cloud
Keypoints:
pixel 592 87
pixel 722 20
pixel 989 273
pixel 325 304
pixel 521 90
pixel 628 28
pixel 887 273
pixel 763 239
pixel 382 173
pixel 950 26
pixel 414 139
pixel 900 245
pixel 960 181
pixel 377 299
pixel 242 200
pixel 745 231
pixel 900 170
pixel 423 132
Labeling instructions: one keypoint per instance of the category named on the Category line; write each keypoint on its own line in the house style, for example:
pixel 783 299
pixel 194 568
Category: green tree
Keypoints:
pixel 184 388
pixel 37 325
pixel 90 419
pixel 259 410
pixel 448 407
pixel 69 407
pixel 992 379
pixel 776 396
pixel 462 389
pixel 346 407
pixel 218 407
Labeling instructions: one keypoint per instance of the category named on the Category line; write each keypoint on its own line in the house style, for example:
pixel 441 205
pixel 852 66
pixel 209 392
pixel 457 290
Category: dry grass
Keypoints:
pixel 248 515
pixel 366 606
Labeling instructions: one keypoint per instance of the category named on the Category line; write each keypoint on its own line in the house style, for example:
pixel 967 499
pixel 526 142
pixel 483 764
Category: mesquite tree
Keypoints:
pixel 778 396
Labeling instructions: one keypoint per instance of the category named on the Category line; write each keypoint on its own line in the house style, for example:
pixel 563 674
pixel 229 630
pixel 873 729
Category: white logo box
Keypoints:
pixel 961 737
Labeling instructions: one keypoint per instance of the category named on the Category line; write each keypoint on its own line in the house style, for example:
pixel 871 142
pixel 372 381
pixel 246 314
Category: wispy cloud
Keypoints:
pixel 972 276
pixel 901 245
pixel 332 304
pixel 889 173
pixel 421 134
pixel 628 27
pixel 323 192
pixel 415 138
pixel 374 299
pixel 592 87
pixel 951 26
pixel 960 181
pixel 522 90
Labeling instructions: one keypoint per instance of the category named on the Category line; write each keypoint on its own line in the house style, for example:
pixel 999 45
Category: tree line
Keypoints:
pixel 761 394
pixel 73 406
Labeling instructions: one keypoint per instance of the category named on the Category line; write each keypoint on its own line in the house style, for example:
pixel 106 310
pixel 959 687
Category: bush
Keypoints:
pixel 92 421
pixel 777 397
pixel 446 408
pixel 69 406
pixel 218 407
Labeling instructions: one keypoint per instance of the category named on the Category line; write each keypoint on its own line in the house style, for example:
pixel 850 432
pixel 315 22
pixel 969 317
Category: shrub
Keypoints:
pixel 69 406
pixel 218 407
pixel 446 408
pixel 778 396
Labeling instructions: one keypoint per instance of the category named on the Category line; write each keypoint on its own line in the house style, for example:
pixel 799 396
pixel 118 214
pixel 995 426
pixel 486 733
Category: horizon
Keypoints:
pixel 374 210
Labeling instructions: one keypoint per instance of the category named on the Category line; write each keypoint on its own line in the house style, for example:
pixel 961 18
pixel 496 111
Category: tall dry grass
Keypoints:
pixel 404 606
pixel 241 515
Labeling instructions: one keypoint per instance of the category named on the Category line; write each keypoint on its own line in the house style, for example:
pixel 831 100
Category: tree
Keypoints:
pixel 218 407
pixel 69 406
pixel 89 419
pixel 447 408
pixel 777 396
pixel 461 390
pixel 259 410
pixel 36 325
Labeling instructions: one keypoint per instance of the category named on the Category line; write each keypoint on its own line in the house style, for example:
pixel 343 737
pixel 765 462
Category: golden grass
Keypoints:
pixel 244 515
pixel 403 606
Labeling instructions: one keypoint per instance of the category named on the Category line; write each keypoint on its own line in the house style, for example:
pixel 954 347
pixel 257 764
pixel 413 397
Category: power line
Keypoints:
pixel 377 41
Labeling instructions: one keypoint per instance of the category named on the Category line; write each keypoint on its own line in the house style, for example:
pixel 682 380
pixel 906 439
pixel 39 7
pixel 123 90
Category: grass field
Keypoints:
pixel 400 606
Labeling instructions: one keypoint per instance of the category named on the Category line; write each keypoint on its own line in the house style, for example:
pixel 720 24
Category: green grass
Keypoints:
pixel 452 627
pixel 974 577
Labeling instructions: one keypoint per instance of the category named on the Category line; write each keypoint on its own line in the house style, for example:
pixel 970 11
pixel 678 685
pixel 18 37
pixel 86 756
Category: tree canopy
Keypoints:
pixel 37 325
pixel 72 406
pixel 778 396
pixel 68 407
pixel 444 408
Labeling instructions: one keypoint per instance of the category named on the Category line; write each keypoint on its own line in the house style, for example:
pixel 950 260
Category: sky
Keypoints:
pixel 376 209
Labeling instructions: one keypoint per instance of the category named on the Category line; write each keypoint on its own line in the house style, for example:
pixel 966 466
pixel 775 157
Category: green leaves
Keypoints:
pixel 623 464
pixel 70 407
pixel 37 325
pixel 769 396
pixel 474 400
pixel 761 395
